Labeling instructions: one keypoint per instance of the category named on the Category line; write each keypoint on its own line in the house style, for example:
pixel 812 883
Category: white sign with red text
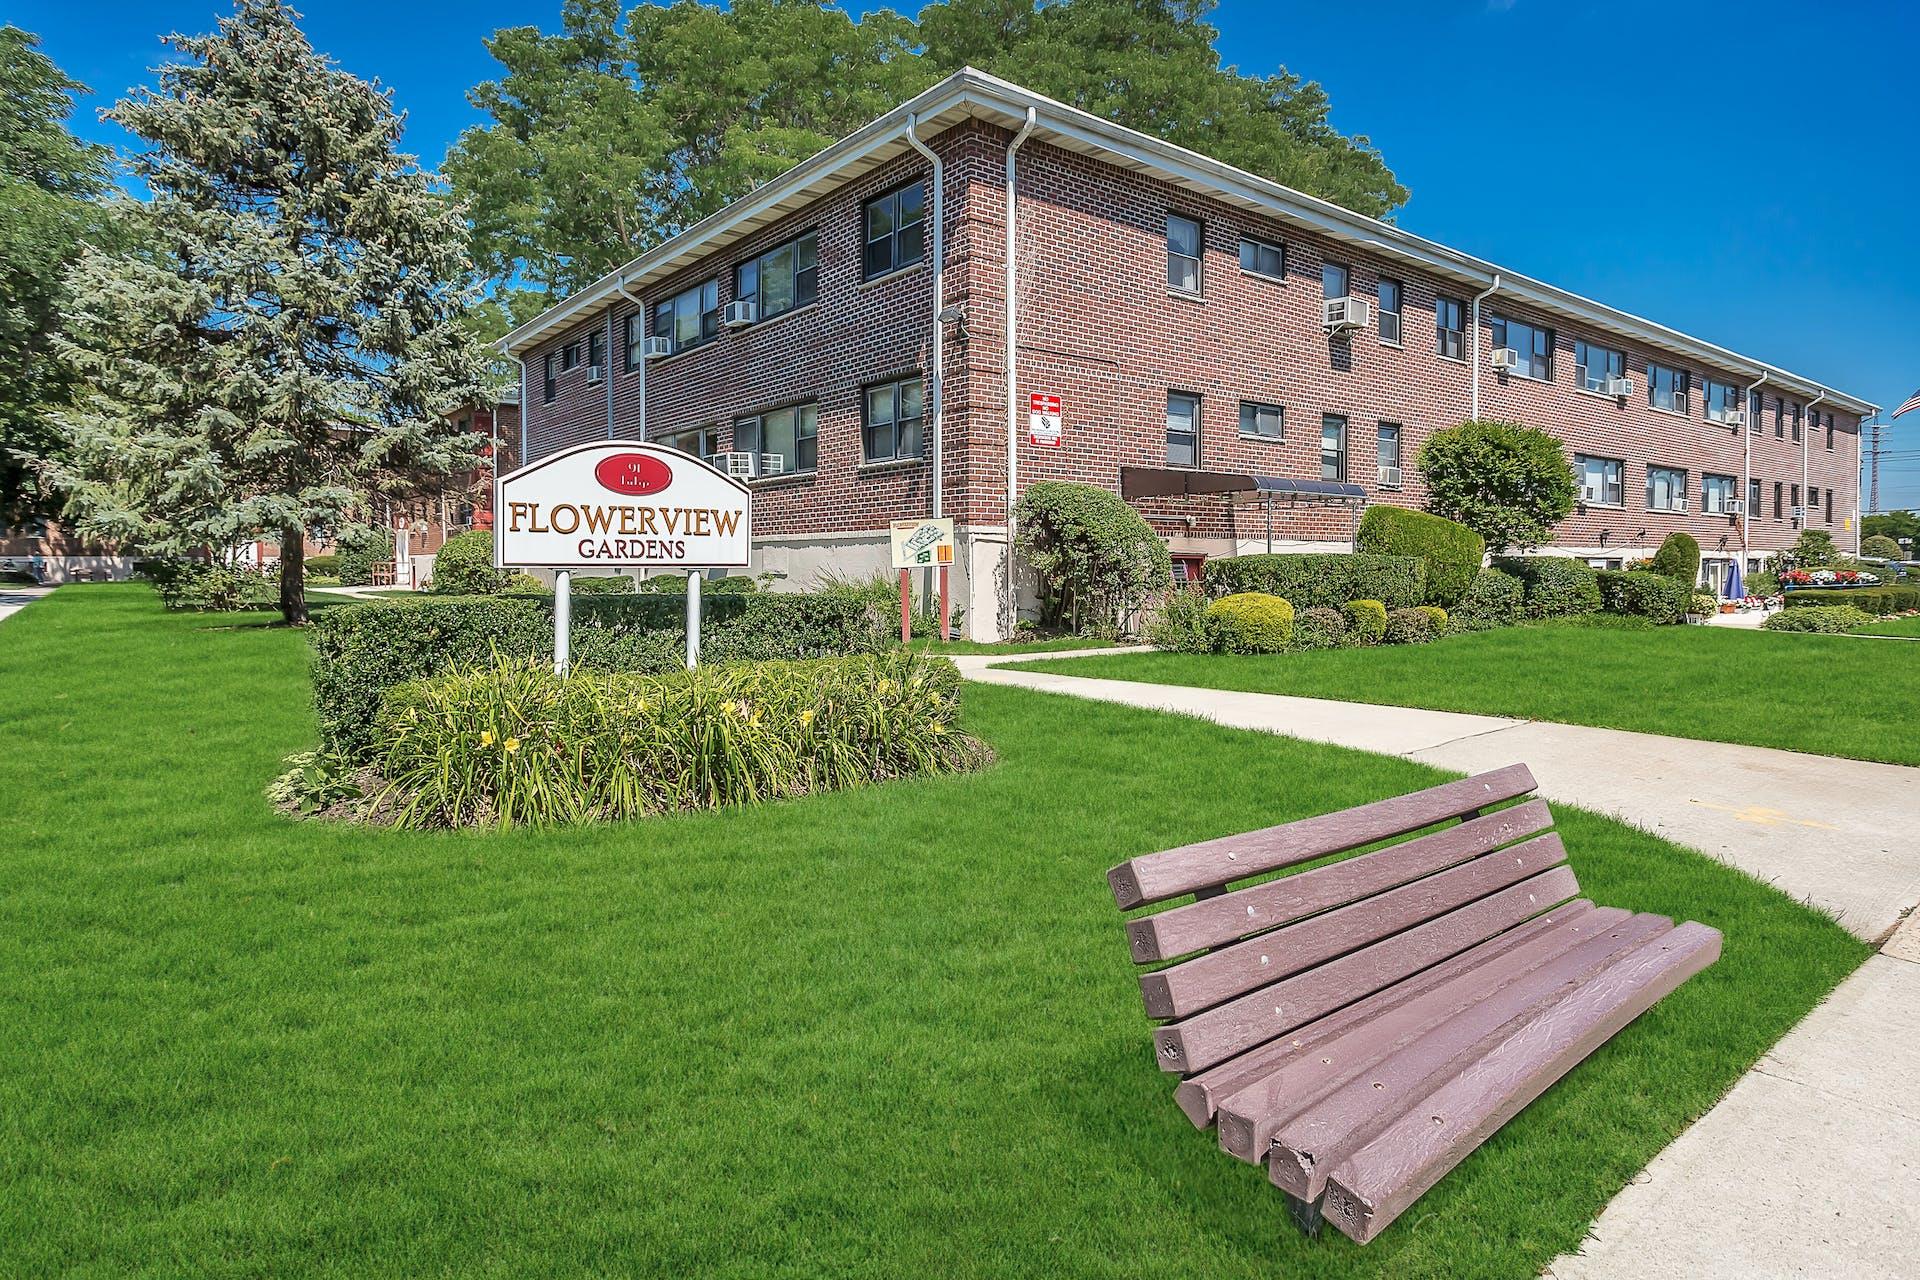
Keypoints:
pixel 621 504
pixel 1043 420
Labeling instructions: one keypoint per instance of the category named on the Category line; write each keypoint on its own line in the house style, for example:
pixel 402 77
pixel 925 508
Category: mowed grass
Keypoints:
pixel 1824 694
pixel 1905 627
pixel 883 1033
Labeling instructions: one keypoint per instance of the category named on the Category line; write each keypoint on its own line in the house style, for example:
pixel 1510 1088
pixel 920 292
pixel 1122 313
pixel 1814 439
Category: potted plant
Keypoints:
pixel 1700 607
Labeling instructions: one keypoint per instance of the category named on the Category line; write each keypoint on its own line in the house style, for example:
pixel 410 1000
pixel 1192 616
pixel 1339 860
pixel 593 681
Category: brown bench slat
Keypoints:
pixel 1202 1094
pixel 1308 1146
pixel 1231 971
pixel 1212 921
pixel 1249 1117
pixel 1373 1186
pixel 1224 1030
pixel 1155 877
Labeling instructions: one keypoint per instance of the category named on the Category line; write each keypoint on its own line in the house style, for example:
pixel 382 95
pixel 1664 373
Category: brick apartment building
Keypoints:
pixel 1247 364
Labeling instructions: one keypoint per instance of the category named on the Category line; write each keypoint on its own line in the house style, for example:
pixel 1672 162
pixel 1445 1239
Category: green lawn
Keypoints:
pixel 1053 644
pixel 1823 694
pixel 1909 627
pixel 882 1033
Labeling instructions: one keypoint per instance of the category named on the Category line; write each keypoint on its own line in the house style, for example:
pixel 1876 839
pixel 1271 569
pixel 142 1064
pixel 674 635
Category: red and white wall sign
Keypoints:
pixel 1043 420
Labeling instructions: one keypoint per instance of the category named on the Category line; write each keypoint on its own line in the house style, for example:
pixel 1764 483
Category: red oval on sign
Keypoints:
pixel 634 473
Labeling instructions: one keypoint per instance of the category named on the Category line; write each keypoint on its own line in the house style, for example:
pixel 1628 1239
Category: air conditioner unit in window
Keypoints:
pixel 1618 388
pixel 772 464
pixel 741 466
pixel 739 315
pixel 1343 315
pixel 1506 359
pixel 1799 513
pixel 1733 507
pixel 593 373
pixel 656 348
pixel 1390 477
pixel 1735 418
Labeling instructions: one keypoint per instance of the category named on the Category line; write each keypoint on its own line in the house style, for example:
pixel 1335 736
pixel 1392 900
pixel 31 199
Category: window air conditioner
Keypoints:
pixel 741 466
pixel 1735 418
pixel 1619 388
pixel 1341 315
pixel 1733 507
pixel 1390 477
pixel 657 347
pixel 593 373
pixel 1799 513
pixel 738 315
pixel 1506 359
pixel 772 464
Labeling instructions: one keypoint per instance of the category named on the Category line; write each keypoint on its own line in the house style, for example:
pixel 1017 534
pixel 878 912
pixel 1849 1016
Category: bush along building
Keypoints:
pixel 985 288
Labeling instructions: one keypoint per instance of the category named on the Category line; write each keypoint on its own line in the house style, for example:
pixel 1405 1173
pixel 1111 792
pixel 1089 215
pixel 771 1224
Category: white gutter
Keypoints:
pixel 1011 603
pixel 1474 360
pixel 620 287
pixel 1746 468
pixel 939 304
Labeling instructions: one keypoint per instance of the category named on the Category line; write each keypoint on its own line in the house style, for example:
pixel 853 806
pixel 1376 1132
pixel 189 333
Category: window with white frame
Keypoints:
pixel 1333 447
pixel 1600 480
pixel 1389 438
pixel 1183 430
pixel 1756 409
pixel 784 278
pixel 1593 365
pixel 1667 387
pixel 1450 320
pixel 1666 489
pixel 690 317
pixel 1721 398
pixel 596 349
pixel 1533 342
pixel 1717 494
pixel 893 427
pixel 1263 258
pixel 701 442
pixel 895 230
pixel 1183 254
pixel 790 434
pixel 549 384
pixel 636 340
pixel 1389 294
pixel 1333 280
pixel 1263 421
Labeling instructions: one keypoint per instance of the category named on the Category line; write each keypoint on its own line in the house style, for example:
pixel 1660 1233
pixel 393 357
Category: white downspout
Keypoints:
pixel 939 304
pixel 640 370
pixel 1475 321
pixel 1746 468
pixel 1806 439
pixel 1011 603
pixel 526 411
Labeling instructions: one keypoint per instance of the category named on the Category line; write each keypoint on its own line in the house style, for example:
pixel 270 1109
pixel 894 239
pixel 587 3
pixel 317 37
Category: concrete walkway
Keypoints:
pixel 14 599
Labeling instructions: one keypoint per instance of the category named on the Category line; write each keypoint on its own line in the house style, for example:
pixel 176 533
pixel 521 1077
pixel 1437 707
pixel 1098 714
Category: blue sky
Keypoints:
pixel 1749 173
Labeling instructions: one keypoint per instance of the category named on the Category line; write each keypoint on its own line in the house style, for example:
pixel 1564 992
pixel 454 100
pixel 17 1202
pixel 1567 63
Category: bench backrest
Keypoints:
pixel 1271 956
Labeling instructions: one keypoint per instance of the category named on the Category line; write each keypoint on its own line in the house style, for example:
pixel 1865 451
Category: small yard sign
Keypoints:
pixel 921 544
pixel 1043 420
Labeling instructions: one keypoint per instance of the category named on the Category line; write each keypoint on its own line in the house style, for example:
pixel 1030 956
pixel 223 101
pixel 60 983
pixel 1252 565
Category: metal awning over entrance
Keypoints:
pixel 1173 482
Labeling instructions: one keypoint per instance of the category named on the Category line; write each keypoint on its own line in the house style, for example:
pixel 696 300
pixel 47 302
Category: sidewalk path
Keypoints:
pixel 14 599
pixel 1838 833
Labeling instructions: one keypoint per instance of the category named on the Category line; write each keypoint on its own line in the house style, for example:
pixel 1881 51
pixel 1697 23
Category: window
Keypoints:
pixel 1183 430
pixel 1183 254
pixel 1259 258
pixel 896 230
pixel 1333 280
pixel 1829 506
pixel 1389 455
pixel 1796 427
pixel 570 357
pixel 782 279
pixel 1666 489
pixel 1723 399
pixel 1829 431
pixel 1779 419
pixel 1716 494
pixel 1753 498
pixel 790 434
pixel 1600 480
pixel 1534 344
pixel 1333 447
pixel 1813 499
pixel 689 318
pixel 1755 409
pixel 549 385
pixel 1389 293
pixel 1777 509
pixel 636 339
pixel 1793 500
pixel 1262 420
pixel 1593 365
pixel 1450 318
pixel 701 442
pixel 596 349
pixel 1667 388
pixel 893 420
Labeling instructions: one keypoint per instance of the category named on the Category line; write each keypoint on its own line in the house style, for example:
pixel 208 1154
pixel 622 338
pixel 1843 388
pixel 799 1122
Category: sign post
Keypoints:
pixel 620 504
pixel 923 543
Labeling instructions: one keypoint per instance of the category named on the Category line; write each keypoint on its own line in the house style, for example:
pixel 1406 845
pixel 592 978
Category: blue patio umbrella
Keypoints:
pixel 1735 588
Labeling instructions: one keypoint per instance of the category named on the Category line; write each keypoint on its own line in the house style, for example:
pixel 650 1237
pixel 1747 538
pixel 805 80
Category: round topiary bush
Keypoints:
pixel 1098 560
pixel 1451 551
pixel 464 566
pixel 1554 586
pixel 1879 546
pixel 1251 622
pixel 1436 616
pixel 1409 626
pixel 1636 593
pixel 1678 557
pixel 1319 628
pixel 1366 621
pixel 1494 600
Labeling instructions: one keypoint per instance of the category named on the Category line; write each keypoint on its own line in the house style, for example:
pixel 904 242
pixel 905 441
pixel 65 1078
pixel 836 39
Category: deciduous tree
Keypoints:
pixel 1508 483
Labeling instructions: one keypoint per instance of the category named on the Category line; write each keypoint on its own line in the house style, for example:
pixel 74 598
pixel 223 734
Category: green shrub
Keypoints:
pixel 1437 617
pixel 1330 580
pixel 1881 600
pixel 1553 586
pixel 515 744
pixel 1703 603
pixel 1813 549
pixel 1097 559
pixel 1251 622
pixel 195 586
pixel 1495 599
pixel 1180 624
pixel 327 565
pixel 1599 622
pixel 878 593
pixel 1678 557
pixel 1638 593
pixel 1411 626
pixel 464 566
pixel 1508 483
pixel 362 650
pixel 675 584
pixel 1366 621
pixel 1319 627
pixel 323 580
pixel 604 585
pixel 1881 547
pixel 358 555
pixel 1827 619
pixel 1450 552
pixel 524 584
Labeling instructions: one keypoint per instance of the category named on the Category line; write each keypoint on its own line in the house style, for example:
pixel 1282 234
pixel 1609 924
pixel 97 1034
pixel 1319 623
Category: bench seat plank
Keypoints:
pixel 1156 877
pixel 1305 1148
pixel 1212 921
pixel 1374 1185
pixel 1221 975
pixel 1216 1034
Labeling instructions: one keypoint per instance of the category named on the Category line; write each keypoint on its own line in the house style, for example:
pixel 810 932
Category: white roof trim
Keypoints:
pixel 975 93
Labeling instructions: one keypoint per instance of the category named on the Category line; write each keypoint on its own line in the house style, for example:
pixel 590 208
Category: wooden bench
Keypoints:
pixel 1362 1026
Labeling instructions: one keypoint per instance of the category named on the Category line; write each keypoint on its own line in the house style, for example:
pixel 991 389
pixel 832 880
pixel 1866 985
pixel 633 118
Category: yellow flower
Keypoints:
pixel 486 737
pixel 806 717
pixel 512 745
pixel 938 728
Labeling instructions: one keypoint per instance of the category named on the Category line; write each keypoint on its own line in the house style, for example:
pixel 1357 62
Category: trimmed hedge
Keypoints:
pixel 362 650
pixel 195 586
pixel 1825 619
pixel 357 558
pixel 1366 621
pixel 1450 551
pixel 1882 600
pixel 1678 557
pixel 1495 599
pixel 1251 622
pixel 464 566
pixel 1414 626
pixel 1638 593
pixel 327 564
pixel 1881 547
pixel 1553 586
pixel 1321 580
pixel 1097 559
pixel 1319 628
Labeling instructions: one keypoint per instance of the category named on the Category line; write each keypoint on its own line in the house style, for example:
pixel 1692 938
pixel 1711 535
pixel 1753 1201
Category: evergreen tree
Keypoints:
pixel 49 181
pixel 276 334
